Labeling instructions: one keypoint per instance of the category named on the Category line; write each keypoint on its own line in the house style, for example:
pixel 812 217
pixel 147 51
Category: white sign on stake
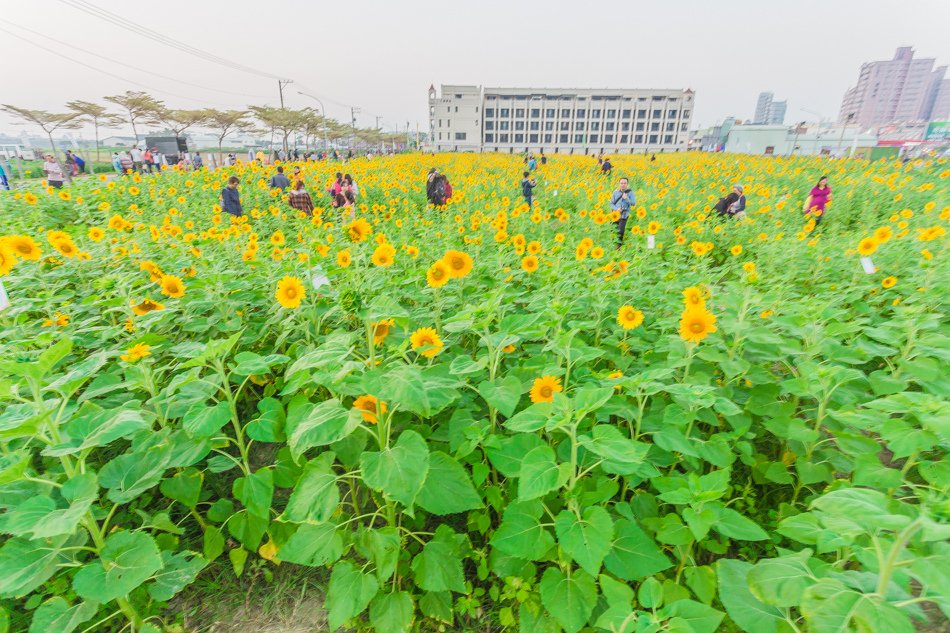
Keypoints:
pixel 868 265
pixel 651 241
pixel 318 278
pixel 4 299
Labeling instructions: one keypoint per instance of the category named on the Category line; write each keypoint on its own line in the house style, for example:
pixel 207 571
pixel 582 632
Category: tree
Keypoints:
pixel 282 120
pixel 224 122
pixel 138 106
pixel 178 120
pixel 313 125
pixel 97 115
pixel 49 122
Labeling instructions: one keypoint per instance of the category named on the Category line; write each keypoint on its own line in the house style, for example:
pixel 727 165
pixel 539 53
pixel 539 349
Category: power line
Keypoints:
pixel 108 16
pixel 121 63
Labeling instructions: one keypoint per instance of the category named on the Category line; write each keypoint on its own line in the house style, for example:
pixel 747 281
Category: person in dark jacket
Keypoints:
pixel 527 186
pixel 279 180
pixel 231 197
pixel 435 187
pixel 606 167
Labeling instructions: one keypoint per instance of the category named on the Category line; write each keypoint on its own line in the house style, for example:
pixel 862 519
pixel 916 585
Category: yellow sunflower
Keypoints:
pixel 96 234
pixel 145 306
pixel 529 263
pixel 359 230
pixel 438 274
pixel 23 247
pixel 384 255
pixel 370 407
pixel 290 292
pixel 629 317
pixel 426 342
pixel 172 286
pixel 136 352
pixel 867 246
pixel 7 260
pixel 459 264
pixel 693 297
pixel 696 324
pixel 381 330
pixel 889 282
pixel 544 388
pixel 343 258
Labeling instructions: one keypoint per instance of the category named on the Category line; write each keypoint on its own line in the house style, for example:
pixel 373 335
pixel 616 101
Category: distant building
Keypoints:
pixel 768 111
pixel 941 105
pixel 565 121
pixel 899 90
pixel 117 141
pixel 781 140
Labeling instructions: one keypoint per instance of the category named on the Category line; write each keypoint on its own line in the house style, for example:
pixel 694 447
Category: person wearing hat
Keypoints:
pixel 737 208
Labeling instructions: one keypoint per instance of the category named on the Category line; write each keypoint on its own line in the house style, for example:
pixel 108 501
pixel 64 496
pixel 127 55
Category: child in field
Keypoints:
pixel 231 198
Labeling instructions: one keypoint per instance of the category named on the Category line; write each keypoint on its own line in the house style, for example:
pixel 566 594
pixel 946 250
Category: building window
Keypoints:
pixel 489 111
pixel 627 113
pixel 671 114
pixel 685 114
pixel 641 114
pixel 532 138
pixel 653 138
pixel 519 125
pixel 657 114
pixel 549 112
pixel 595 126
pixel 640 126
pixel 535 113
pixel 548 126
pixel 595 114
pixel 489 125
pixel 668 138
pixel 565 113
pixel 503 138
pixel 580 114
pixel 579 126
pixel 489 138
pixel 565 125
pixel 594 138
pixel 625 126
pixel 519 112
pixel 611 114
pixel 609 126
pixel 547 138
pixel 503 125
pixel 458 96
pixel 448 123
pixel 655 126
pixel 684 126
pixel 456 108
pixel 638 138
pixel 670 127
pixel 562 138
pixel 535 125
pixel 608 138
pixel 519 138
pixel 440 136
pixel 460 136
pixel 504 112
pixel 578 138
pixel 624 139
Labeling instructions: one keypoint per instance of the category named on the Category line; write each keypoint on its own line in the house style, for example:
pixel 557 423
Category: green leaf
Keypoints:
pixel 569 599
pixel 126 561
pixel 702 580
pixel 350 591
pixel 587 540
pixel 747 611
pixel 503 394
pixel 13 465
pixel 184 487
pixel 588 399
pixel 447 489
pixel 391 612
pixel 56 615
pixel 437 605
pixel 399 471
pixel 781 581
pixel 204 421
pixel 831 607
pixel 316 496
pixel 616 593
pixel 129 475
pixel 507 454
pixel 423 392
pixel 42 516
pixel 269 426
pixel 179 571
pixel 539 473
pixel 689 616
pixel 238 557
pixel 94 426
pixel 622 454
pixel 213 543
pixel 531 419
pixel 321 425
pixel 634 555
pixel 312 545
pixel 650 593
pixel 734 525
pixel 439 566
pixel 521 533
pixel 382 546
pixel 256 492
pixel 859 511
pixel 26 564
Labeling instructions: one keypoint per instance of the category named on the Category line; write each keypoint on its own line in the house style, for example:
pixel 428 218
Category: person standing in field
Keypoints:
pixel 606 168
pixel 116 162
pixel 80 163
pixel 818 199
pixel 279 180
pixel 527 186
pixel 136 159
pixel 621 201
pixel 300 199
pixel 532 163
pixel 125 159
pixel 54 173
pixel 231 198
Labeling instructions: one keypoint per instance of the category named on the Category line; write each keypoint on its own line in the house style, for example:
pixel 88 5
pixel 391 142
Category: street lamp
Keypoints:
pixel 323 113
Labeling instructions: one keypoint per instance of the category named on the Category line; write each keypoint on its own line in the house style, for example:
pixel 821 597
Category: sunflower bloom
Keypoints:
pixel 172 286
pixel 867 246
pixel 426 342
pixel 629 317
pixel 544 388
pixel 23 247
pixel 7 260
pixel 529 264
pixel 696 324
pixel 359 230
pixel 381 330
pixel 343 258
pixel 290 292
pixel 438 274
pixel 693 297
pixel 459 264
pixel 384 255
pixel 143 307
pixel 889 282
pixel 369 407
pixel 136 352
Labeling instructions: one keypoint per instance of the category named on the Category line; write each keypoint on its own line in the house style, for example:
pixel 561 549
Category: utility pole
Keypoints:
pixel 377 121
pixel 843 127
pixel 353 112
pixel 280 86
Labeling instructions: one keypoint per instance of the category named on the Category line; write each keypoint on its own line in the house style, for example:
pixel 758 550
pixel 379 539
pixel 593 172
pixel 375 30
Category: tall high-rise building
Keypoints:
pixel 898 90
pixel 565 121
pixel 768 111
pixel 941 106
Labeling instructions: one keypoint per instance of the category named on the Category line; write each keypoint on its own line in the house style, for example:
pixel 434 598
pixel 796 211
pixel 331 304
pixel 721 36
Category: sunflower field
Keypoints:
pixel 483 416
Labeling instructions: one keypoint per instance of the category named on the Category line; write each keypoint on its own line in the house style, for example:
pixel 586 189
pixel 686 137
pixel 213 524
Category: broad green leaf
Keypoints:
pixel 570 599
pixel 689 616
pixel 349 592
pixel 248 529
pixel 126 561
pixel 184 487
pixel 650 593
pixel 589 399
pixel 312 545
pixel 437 605
pixel 213 543
pixel 56 615
pixel 858 511
pixel 781 581
pixel 26 564
pixel 539 473
pixel 447 489
pixel 382 547
pixel 521 533
pixel 13 465
pixel 178 571
pixel 503 394
pixel 701 580
pixel 616 593
pixel 321 425
pixel 633 554
pixel 734 525
pixel 622 454
pixel 439 566
pixel 204 421
pixel 43 517
pixel 399 471
pixel 256 492
pixel 94 426
pixel 587 539
pixel 747 611
pixel 534 619
pixel 831 607
pixel 316 496
pixel 423 392
pixel 129 475
pixel 507 454
pixel 391 612
pixel 529 420
pixel 238 557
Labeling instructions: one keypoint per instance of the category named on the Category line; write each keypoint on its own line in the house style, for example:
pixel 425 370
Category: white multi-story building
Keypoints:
pixel 768 111
pixel 559 121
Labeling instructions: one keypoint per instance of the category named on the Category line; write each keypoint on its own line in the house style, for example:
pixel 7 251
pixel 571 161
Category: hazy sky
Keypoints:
pixel 381 55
